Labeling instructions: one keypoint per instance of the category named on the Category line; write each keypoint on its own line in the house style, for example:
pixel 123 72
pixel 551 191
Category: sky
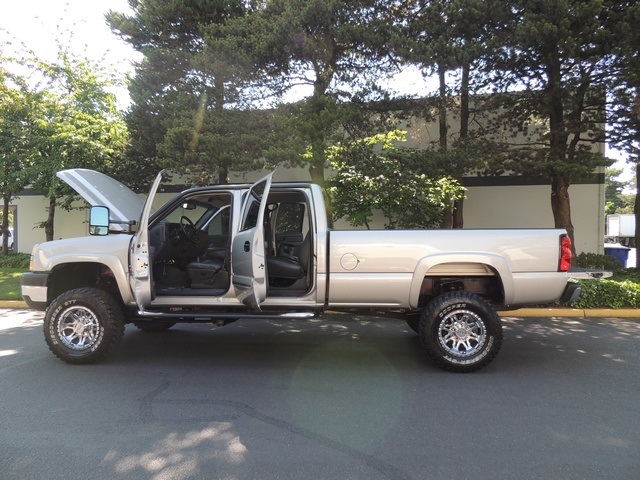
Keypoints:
pixel 37 23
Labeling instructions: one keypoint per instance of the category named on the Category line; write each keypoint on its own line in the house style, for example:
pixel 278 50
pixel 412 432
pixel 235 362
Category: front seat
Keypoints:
pixel 285 266
pixel 202 274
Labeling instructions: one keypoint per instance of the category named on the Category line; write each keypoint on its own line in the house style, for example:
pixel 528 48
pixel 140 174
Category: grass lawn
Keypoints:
pixel 10 283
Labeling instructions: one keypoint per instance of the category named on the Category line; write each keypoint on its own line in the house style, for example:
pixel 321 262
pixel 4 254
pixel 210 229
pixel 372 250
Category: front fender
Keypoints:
pixel 460 264
pixel 112 262
pixel 112 251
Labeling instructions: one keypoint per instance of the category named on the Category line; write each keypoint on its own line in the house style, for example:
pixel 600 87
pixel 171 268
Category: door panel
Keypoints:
pixel 141 279
pixel 248 250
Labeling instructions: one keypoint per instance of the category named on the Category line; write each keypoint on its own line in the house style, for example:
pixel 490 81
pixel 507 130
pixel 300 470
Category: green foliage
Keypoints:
pixel 597 261
pixel 180 89
pixel 207 147
pixel 615 200
pixel 374 174
pixel 10 283
pixel 606 293
pixel 17 106
pixel 15 260
pixel 66 119
pixel 622 290
pixel 332 47
pixel 624 115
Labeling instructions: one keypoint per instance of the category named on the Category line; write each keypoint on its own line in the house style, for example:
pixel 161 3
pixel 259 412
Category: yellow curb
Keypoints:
pixel 13 304
pixel 543 312
pixel 618 312
pixel 572 312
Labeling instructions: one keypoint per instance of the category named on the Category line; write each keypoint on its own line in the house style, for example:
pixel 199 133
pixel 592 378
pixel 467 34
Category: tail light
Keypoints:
pixel 565 253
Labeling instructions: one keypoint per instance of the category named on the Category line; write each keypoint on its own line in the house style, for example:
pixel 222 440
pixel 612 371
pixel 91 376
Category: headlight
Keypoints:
pixel 31 258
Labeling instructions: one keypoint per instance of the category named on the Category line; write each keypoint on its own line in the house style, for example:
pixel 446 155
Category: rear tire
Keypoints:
pixel 460 331
pixel 83 325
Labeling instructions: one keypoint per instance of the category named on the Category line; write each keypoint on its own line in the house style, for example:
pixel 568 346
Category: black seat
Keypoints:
pixel 202 274
pixel 283 266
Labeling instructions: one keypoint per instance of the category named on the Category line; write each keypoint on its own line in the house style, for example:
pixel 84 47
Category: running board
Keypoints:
pixel 205 317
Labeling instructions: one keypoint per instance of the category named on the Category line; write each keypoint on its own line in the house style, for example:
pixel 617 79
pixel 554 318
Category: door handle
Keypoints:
pixel 247 246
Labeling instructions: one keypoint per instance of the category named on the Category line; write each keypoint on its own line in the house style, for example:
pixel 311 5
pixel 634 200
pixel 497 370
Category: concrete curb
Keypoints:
pixel 521 312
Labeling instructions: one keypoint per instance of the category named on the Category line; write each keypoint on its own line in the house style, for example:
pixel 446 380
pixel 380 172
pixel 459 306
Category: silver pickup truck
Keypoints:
pixel 221 253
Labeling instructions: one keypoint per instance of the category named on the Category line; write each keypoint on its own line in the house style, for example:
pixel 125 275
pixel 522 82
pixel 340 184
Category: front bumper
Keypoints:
pixel 34 289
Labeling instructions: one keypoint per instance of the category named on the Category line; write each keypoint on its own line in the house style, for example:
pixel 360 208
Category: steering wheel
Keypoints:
pixel 189 229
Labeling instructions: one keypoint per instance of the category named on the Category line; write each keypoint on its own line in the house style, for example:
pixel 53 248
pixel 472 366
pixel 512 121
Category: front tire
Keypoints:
pixel 461 332
pixel 83 325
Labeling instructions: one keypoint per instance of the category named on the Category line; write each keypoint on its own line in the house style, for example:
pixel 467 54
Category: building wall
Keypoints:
pixel 31 210
pixel 529 206
pixel 486 206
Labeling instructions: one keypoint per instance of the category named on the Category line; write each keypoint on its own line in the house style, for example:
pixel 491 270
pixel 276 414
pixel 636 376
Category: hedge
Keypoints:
pixel 620 291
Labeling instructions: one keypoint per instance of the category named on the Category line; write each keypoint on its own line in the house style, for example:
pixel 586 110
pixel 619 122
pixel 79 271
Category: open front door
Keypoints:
pixel 247 250
pixel 141 278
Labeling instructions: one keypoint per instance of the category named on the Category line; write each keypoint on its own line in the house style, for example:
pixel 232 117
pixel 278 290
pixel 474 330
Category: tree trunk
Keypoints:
pixel 458 205
pixel 458 213
pixel 218 105
pixel 442 108
pixel 464 101
pixel 561 206
pixel 447 214
pixel 636 210
pixel 48 224
pixel 5 226
pixel 223 174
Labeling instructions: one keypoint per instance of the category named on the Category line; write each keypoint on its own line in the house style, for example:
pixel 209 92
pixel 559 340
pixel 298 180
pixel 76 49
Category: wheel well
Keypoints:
pixel 68 276
pixel 479 279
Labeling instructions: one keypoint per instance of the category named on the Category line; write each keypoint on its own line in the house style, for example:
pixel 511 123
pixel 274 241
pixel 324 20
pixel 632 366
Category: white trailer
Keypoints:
pixel 621 228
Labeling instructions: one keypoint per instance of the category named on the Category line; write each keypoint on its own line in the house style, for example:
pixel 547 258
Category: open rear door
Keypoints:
pixel 247 251
pixel 141 278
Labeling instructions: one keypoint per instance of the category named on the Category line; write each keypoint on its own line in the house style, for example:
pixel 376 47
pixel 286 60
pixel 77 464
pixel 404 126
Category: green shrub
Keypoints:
pixel 608 293
pixel 596 261
pixel 631 274
pixel 15 260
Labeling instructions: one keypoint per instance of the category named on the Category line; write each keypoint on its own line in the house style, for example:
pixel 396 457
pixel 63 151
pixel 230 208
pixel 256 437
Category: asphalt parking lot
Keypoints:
pixel 339 397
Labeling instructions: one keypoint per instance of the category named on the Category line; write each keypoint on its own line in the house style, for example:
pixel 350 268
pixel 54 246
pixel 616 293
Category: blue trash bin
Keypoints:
pixel 618 251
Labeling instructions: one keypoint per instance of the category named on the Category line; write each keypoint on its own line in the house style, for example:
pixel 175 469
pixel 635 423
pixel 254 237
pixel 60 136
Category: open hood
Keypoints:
pixel 99 189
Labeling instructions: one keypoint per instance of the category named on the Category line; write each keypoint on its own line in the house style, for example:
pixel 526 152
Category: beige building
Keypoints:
pixel 492 202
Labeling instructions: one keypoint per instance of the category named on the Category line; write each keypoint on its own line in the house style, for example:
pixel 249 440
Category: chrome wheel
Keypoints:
pixel 78 328
pixel 462 333
pixel 83 325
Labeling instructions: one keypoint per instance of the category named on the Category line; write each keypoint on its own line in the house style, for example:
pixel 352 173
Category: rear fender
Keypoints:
pixel 455 264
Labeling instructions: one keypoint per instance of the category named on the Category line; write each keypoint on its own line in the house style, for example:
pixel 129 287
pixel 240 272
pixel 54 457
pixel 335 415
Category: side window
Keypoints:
pixel 251 219
pixel 291 218
pixel 255 197
pixel 219 225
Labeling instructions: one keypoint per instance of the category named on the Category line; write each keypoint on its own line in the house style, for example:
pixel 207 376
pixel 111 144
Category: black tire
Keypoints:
pixel 153 326
pixel 460 331
pixel 83 325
